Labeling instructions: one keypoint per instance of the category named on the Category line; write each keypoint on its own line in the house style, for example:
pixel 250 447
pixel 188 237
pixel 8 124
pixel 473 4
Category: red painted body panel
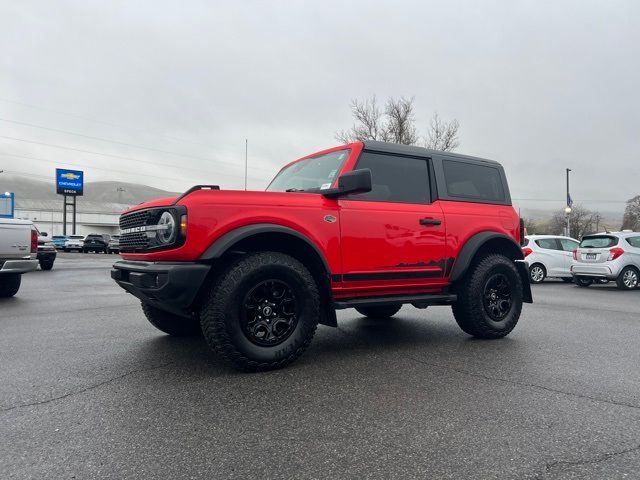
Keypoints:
pixel 373 248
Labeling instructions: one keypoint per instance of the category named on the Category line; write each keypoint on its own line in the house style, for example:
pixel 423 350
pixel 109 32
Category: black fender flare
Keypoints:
pixel 221 245
pixel 470 249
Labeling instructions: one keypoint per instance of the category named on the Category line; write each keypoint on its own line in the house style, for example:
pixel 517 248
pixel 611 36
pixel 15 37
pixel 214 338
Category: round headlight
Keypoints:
pixel 166 232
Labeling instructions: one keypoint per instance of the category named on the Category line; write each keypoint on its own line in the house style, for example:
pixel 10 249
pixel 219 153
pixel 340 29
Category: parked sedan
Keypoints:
pixel 114 244
pixel 96 242
pixel 46 252
pixel 610 256
pixel 74 243
pixel 59 241
pixel 549 256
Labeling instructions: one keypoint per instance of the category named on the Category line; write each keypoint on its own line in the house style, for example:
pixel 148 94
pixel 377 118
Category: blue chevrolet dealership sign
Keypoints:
pixel 69 182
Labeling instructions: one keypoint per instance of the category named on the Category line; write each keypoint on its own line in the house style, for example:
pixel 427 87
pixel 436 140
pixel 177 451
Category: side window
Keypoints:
pixel 548 243
pixel 395 178
pixel 525 242
pixel 473 182
pixel 568 245
pixel 634 241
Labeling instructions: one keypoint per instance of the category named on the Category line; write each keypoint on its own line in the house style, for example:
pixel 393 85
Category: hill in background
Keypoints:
pixel 94 192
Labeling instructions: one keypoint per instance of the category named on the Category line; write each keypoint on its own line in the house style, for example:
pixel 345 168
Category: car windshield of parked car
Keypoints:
pixel 601 241
pixel 316 173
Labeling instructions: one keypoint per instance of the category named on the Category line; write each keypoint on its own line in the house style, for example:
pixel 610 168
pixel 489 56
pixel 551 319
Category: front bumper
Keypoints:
pixel 168 286
pixel 18 266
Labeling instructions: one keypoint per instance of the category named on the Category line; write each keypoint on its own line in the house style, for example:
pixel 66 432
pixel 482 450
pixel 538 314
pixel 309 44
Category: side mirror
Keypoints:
pixel 356 181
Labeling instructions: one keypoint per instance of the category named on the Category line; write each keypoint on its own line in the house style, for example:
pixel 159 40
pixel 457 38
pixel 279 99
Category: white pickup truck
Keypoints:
pixel 18 247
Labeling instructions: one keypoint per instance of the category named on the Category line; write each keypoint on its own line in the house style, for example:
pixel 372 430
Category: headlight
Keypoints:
pixel 166 232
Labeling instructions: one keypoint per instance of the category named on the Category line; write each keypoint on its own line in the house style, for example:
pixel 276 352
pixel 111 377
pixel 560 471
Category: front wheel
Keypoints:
pixel 567 279
pixel 489 298
pixel 380 312
pixel 628 279
pixel 174 325
pixel 262 312
pixel 9 284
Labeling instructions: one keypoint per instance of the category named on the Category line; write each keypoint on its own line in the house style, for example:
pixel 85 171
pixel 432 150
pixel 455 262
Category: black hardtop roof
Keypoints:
pixel 414 150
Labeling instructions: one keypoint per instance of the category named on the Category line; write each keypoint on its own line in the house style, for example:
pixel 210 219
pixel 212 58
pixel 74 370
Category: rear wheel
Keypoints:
pixel 46 265
pixel 174 325
pixel 262 312
pixel 9 284
pixel 628 278
pixel 537 273
pixel 583 282
pixel 384 311
pixel 489 298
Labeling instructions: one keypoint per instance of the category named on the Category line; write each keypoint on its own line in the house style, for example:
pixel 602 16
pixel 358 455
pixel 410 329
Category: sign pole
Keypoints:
pixel 74 215
pixel 64 215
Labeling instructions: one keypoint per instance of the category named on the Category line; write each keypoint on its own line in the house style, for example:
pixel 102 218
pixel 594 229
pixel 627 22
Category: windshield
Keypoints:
pixel 311 173
pixel 598 242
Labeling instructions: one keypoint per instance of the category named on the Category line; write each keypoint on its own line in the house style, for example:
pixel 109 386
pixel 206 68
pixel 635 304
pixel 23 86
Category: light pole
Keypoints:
pixel 567 210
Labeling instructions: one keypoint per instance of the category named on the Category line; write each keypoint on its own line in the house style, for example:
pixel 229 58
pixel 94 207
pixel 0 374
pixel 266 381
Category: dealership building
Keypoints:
pixel 91 217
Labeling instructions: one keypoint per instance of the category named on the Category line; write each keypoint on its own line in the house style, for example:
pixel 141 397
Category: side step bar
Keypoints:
pixel 423 300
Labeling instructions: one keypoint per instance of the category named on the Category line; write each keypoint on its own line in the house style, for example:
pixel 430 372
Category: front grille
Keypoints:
pixel 134 241
pixel 134 236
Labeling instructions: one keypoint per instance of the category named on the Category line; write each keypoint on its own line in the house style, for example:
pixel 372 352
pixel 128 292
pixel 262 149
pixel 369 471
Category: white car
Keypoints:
pixel 549 256
pixel 74 242
pixel 608 256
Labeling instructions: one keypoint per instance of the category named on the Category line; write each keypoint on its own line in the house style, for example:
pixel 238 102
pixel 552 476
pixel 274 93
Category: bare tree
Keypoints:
pixel 582 221
pixel 442 135
pixel 397 124
pixel 369 122
pixel 400 125
pixel 631 219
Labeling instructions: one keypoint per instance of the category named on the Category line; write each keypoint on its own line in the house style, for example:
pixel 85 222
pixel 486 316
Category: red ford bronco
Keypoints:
pixel 368 225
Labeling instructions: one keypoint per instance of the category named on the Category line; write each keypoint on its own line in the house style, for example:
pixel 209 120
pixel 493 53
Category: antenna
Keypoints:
pixel 246 150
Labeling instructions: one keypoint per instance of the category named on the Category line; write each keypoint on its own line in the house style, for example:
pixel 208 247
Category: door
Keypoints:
pixel 567 246
pixel 394 236
pixel 550 256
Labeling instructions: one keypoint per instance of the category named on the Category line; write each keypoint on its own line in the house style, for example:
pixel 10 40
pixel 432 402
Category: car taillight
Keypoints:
pixel 575 254
pixel 34 241
pixel 527 251
pixel 615 253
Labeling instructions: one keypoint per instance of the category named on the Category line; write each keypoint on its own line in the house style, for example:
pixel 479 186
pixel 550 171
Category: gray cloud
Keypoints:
pixel 539 86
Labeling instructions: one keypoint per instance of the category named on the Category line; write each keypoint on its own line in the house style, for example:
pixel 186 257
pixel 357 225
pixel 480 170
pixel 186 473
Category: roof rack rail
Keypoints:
pixel 195 188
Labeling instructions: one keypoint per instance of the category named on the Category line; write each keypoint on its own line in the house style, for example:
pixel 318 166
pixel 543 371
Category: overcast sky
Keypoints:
pixel 539 86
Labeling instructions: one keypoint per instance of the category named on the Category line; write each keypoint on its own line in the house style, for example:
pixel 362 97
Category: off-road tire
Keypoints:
pixel 379 312
pixel 537 273
pixel 9 284
pixel 46 265
pixel 172 324
pixel 222 311
pixel 628 279
pixel 469 310
pixel 583 282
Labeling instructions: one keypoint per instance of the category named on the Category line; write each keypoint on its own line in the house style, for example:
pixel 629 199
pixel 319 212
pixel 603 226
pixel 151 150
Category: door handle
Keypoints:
pixel 430 221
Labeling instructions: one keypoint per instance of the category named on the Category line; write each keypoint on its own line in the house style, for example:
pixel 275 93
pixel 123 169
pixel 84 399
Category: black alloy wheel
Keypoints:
pixel 269 314
pixel 497 297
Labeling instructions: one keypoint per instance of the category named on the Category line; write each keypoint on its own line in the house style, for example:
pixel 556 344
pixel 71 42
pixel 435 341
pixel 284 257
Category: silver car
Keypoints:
pixel 611 256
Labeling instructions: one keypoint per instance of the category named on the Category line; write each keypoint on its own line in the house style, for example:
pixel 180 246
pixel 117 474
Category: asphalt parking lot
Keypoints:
pixel 88 389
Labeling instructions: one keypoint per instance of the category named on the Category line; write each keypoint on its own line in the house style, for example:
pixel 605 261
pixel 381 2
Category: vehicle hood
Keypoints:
pixel 236 197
